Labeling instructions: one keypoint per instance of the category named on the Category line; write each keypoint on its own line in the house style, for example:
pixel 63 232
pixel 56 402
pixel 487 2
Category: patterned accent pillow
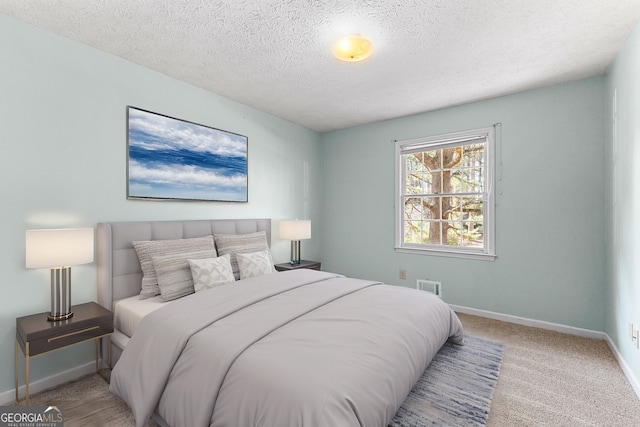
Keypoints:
pixel 174 273
pixel 146 249
pixel 233 244
pixel 211 272
pixel 255 264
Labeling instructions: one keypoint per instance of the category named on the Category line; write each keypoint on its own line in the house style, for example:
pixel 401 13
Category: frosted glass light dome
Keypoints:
pixel 352 48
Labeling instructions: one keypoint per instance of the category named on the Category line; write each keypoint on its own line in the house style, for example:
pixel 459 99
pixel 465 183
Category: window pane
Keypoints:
pixel 431 232
pixel 457 181
pixel 453 234
pixel 448 181
pixel 469 180
pixel 436 182
pixel 413 184
pixel 472 208
pixel 473 156
pixel 415 162
pixel 431 208
pixel 427 183
pixel 451 157
pixel 450 207
pixel 473 234
pixel 431 160
pixel 412 231
pixel 412 208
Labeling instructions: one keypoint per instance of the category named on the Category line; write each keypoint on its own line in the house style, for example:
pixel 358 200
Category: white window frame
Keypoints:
pixel 487 253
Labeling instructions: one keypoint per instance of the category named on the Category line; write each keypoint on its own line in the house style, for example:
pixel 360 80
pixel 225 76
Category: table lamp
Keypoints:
pixel 295 230
pixel 59 249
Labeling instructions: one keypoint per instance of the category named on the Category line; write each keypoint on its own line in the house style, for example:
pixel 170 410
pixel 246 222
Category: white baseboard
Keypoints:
pixel 9 396
pixel 570 330
pixel 585 333
pixel 635 384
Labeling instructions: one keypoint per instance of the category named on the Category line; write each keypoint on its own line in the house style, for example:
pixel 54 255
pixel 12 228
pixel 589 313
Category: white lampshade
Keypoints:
pixel 295 229
pixel 59 247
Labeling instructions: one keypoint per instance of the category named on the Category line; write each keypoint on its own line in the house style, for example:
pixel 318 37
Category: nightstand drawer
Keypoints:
pixel 54 342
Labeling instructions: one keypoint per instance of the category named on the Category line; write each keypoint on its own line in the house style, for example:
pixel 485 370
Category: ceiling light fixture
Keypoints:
pixel 352 48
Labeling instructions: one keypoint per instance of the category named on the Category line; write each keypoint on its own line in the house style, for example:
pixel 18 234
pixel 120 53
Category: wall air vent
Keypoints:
pixel 430 286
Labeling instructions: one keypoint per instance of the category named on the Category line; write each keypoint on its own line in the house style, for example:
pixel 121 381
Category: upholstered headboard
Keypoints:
pixel 119 272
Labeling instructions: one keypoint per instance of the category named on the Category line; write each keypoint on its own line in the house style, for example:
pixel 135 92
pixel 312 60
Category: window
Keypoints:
pixel 445 200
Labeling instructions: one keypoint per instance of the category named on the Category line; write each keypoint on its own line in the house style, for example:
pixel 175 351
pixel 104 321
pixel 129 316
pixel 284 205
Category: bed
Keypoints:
pixel 294 348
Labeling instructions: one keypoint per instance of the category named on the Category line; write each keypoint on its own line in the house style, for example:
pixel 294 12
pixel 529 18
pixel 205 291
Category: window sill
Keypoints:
pixel 448 253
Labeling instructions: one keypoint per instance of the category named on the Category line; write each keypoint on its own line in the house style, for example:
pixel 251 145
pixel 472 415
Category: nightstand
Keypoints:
pixel 311 265
pixel 36 335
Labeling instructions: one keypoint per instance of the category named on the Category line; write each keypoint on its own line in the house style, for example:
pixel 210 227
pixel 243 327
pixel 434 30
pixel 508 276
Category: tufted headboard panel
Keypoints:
pixel 119 273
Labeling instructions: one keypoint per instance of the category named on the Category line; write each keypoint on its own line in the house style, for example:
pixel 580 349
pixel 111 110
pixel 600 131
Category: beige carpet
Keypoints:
pixel 553 379
pixel 546 379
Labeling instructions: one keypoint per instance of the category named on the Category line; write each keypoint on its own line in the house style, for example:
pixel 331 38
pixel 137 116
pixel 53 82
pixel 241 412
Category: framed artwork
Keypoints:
pixel 173 159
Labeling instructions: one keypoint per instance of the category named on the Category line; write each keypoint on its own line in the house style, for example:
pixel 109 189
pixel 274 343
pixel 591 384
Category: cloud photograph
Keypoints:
pixel 170 158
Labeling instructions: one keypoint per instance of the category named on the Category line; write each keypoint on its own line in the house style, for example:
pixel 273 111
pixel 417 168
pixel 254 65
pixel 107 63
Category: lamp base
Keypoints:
pixel 60 294
pixel 53 318
pixel 295 252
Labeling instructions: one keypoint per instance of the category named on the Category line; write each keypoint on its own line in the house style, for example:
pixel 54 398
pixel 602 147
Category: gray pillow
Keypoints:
pixel 174 273
pixel 255 264
pixel 146 249
pixel 233 244
pixel 211 272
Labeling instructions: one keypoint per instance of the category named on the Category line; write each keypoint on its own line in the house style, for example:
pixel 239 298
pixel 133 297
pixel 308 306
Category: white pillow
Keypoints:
pixel 174 274
pixel 255 264
pixel 211 272
pixel 240 243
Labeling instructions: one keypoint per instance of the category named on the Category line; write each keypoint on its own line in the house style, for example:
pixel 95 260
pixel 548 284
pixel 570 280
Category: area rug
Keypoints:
pixel 456 388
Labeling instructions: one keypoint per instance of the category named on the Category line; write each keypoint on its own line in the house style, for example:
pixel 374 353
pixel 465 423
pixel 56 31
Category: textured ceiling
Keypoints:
pixel 275 55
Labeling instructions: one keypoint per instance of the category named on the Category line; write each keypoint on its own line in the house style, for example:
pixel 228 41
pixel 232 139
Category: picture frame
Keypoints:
pixel 174 159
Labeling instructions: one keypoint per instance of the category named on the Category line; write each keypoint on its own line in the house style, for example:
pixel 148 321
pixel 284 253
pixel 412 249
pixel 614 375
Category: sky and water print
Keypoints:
pixel 175 159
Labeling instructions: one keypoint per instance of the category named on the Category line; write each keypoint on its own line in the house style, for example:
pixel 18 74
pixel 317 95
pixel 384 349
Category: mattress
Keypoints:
pixel 128 312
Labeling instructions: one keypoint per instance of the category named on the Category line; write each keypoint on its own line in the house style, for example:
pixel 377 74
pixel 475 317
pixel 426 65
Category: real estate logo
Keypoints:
pixel 31 416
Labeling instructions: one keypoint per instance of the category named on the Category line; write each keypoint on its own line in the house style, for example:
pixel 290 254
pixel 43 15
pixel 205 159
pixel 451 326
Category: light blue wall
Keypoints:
pixel 550 210
pixel 623 200
pixel 63 137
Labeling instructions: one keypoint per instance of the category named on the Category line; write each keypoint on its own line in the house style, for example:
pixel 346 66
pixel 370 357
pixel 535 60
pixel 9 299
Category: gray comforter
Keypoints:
pixel 300 348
